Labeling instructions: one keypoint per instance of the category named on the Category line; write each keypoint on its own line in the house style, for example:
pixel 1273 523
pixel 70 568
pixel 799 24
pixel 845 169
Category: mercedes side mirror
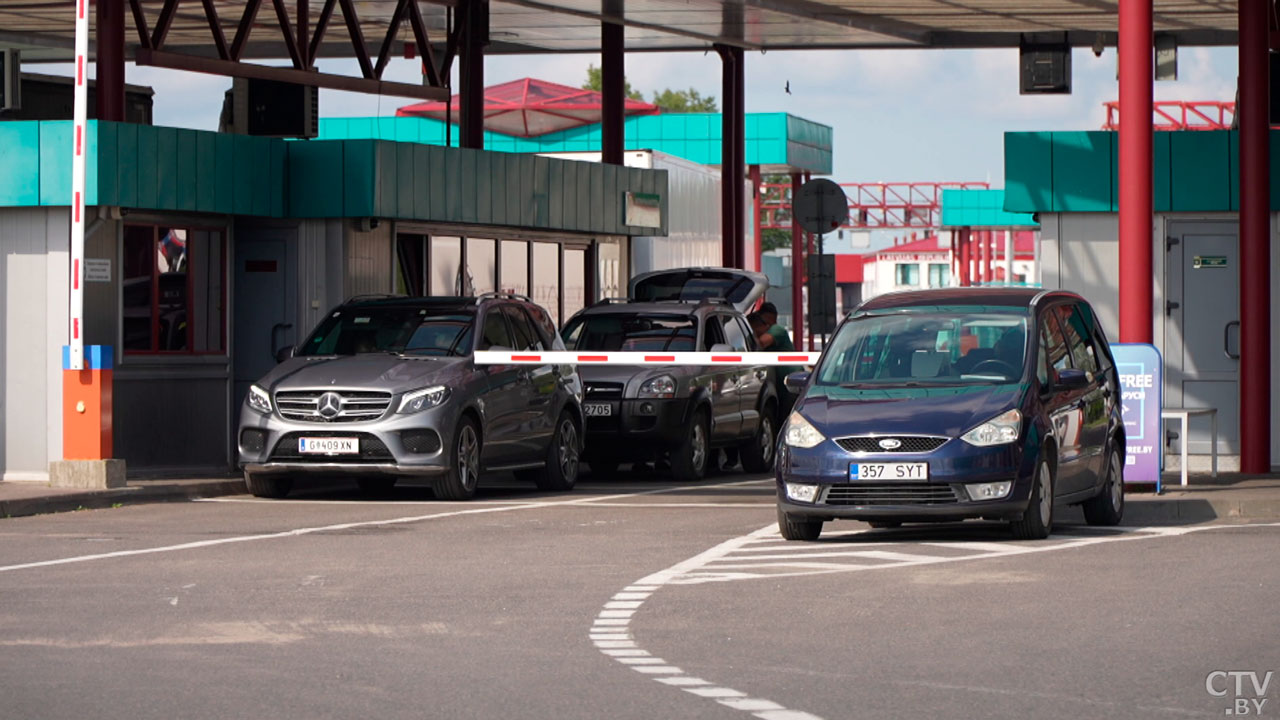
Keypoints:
pixel 285 353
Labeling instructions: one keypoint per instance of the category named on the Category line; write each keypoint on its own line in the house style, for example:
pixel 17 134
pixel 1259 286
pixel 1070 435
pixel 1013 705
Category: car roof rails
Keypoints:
pixel 374 296
pixel 496 294
pixel 611 301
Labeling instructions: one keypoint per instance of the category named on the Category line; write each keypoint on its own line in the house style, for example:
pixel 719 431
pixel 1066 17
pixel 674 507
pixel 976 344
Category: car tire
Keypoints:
pixel 267 486
pixel 563 457
pixel 758 453
pixel 1107 507
pixel 796 528
pixel 1037 521
pixel 376 484
pixel 463 475
pixel 689 461
pixel 884 524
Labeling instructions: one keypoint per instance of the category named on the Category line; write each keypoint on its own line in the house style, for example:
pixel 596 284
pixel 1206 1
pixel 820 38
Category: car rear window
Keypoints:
pixel 630 331
pixel 401 330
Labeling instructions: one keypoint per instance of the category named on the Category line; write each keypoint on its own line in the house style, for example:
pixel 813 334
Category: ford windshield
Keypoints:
pixel 926 348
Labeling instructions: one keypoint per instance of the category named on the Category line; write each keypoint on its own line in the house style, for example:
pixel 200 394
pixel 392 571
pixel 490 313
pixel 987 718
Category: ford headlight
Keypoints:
pixel 423 399
pixel 801 433
pixel 259 399
pixel 663 386
pixel 999 430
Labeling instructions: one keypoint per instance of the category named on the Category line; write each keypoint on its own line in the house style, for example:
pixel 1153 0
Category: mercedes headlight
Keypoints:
pixel 999 430
pixel 259 399
pixel 423 399
pixel 801 433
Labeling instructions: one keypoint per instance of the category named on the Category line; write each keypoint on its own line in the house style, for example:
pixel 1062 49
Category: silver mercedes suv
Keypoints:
pixel 385 387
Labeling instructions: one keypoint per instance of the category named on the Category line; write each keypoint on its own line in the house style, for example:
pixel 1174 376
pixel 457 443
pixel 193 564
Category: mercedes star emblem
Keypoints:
pixel 330 405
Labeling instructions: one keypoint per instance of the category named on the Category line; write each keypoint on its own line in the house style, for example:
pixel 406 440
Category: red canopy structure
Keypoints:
pixel 529 107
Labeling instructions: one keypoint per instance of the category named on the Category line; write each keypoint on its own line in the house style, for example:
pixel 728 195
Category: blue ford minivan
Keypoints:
pixel 942 405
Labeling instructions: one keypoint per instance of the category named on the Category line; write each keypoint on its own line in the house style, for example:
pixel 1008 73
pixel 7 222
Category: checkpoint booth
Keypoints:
pixel 206 253
pixel 1070 181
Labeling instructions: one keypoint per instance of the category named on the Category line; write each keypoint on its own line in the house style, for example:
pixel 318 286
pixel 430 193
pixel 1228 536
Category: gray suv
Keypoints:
pixel 680 414
pixel 385 387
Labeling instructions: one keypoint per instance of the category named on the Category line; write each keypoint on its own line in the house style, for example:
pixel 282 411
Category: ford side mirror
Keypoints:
pixel 1071 379
pixel 721 348
pixel 796 381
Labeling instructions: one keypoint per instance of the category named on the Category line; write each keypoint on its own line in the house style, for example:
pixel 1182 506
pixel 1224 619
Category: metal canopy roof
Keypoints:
pixel 44 28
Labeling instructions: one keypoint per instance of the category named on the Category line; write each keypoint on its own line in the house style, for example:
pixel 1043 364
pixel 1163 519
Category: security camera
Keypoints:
pixel 1099 45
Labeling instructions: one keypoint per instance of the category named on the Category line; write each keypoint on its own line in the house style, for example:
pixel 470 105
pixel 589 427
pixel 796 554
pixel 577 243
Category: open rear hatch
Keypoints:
pixel 740 287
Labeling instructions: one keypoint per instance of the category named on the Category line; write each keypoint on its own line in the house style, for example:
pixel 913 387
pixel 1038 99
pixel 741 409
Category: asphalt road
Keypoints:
pixel 632 598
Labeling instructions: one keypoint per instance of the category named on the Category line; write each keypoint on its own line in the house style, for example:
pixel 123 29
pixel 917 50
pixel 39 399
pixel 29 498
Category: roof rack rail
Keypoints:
pixel 503 295
pixel 693 301
pixel 372 296
pixel 611 301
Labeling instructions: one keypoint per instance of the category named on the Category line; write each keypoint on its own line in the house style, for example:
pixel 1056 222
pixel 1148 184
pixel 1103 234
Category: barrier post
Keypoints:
pixel 87 423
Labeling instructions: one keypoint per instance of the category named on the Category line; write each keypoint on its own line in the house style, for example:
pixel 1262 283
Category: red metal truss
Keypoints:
pixel 872 206
pixel 1180 115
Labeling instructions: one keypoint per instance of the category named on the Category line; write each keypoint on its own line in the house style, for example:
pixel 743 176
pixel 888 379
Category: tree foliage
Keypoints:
pixel 672 101
pixel 595 81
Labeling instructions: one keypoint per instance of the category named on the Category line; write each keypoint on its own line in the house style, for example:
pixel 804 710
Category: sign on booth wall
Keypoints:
pixel 1141 371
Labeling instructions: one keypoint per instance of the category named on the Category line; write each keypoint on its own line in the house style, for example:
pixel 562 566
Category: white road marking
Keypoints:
pixel 709 566
pixel 299 532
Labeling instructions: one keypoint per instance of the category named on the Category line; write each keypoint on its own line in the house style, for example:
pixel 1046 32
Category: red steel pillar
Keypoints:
pixel 797 270
pixel 981 257
pixel 1255 239
pixel 964 257
pixel 757 262
pixel 109 39
pixel 1136 81
pixel 613 95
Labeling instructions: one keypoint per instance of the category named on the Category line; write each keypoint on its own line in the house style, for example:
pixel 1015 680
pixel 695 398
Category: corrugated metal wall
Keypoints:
pixel 369 262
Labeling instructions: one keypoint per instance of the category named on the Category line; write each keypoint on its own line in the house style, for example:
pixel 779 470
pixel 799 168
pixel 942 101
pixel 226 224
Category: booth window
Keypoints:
pixel 174 290
pixel 908 274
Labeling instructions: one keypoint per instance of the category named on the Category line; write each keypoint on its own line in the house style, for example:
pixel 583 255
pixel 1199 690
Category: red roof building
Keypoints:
pixel 529 107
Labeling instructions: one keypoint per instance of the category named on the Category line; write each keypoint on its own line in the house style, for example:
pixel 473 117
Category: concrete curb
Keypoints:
pixel 130 495
pixel 1193 510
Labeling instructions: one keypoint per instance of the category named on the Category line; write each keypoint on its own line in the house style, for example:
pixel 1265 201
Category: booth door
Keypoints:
pixel 1202 329
pixel 265 312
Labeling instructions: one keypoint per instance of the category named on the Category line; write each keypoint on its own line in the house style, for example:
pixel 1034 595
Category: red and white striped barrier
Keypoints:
pixel 562 357
pixel 80 139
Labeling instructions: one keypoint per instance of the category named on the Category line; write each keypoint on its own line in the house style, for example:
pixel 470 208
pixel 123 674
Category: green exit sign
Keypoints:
pixel 1209 261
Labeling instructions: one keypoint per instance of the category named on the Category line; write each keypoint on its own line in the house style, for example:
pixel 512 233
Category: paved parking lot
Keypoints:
pixel 634 597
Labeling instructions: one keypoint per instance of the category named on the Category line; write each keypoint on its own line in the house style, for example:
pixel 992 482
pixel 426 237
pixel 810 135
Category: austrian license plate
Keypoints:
pixel 597 409
pixel 329 446
pixel 889 471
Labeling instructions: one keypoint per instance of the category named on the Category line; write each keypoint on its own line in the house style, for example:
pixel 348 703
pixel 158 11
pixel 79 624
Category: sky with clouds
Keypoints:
pixel 898 115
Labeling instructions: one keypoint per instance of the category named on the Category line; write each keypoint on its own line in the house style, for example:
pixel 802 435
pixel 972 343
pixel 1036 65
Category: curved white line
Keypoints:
pixel 612 636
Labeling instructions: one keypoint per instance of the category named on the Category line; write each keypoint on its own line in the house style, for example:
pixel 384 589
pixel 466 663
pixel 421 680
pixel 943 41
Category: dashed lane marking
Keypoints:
pixel 612 635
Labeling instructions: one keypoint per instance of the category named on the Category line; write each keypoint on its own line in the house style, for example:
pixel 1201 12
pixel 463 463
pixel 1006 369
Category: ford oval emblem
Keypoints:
pixel 890 443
